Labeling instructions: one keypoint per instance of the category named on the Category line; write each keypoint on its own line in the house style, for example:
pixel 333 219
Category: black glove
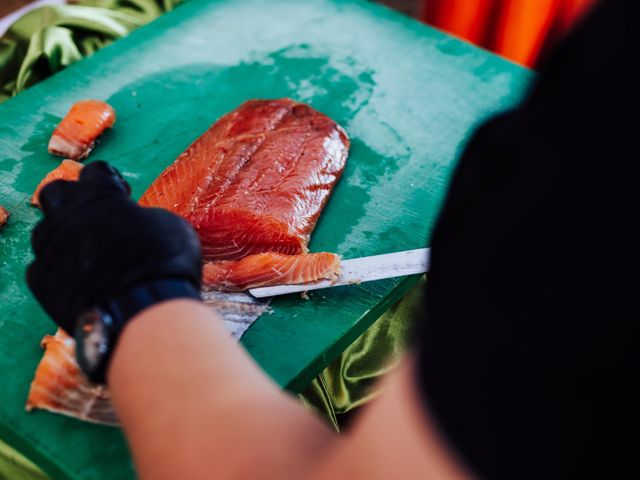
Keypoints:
pixel 95 243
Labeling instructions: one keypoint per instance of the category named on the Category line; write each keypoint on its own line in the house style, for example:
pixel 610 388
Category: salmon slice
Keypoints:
pixel 265 269
pixel 60 386
pixel 76 134
pixel 257 180
pixel 67 170
pixel 4 216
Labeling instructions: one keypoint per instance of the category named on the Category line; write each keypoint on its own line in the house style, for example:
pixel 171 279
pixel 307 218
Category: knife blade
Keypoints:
pixel 359 270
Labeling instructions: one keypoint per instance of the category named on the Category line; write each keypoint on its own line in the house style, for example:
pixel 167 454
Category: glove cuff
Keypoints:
pixel 98 329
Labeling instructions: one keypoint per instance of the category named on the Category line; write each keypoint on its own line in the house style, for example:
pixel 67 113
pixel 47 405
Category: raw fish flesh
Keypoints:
pixel 264 269
pixel 60 386
pixel 76 134
pixel 257 180
pixel 4 216
pixel 67 170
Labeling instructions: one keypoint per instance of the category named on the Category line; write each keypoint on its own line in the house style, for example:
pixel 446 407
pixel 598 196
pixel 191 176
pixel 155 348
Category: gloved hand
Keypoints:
pixel 95 243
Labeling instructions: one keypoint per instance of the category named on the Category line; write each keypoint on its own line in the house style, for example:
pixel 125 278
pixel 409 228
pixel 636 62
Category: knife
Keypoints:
pixel 360 270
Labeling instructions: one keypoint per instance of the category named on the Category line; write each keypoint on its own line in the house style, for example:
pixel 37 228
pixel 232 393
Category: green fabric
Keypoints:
pixel 50 38
pixel 348 382
pixel 14 466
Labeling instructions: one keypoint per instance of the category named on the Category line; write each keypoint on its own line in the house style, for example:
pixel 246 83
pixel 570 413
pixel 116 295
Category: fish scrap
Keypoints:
pixel 266 269
pixel 60 386
pixel 76 134
pixel 67 170
pixel 4 216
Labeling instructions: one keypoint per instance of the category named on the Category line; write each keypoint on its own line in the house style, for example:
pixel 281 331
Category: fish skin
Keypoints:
pixel 4 216
pixel 257 180
pixel 75 135
pixel 266 269
pixel 67 170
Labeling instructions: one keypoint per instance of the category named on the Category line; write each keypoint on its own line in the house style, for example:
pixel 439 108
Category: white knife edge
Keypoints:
pixel 360 270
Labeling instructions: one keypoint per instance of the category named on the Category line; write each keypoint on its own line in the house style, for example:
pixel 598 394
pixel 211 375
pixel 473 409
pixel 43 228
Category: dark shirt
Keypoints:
pixel 529 352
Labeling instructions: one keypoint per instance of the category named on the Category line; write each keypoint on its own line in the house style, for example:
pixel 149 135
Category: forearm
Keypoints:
pixel 194 404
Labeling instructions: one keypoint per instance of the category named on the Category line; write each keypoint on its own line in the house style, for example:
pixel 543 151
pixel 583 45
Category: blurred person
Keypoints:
pixel 523 360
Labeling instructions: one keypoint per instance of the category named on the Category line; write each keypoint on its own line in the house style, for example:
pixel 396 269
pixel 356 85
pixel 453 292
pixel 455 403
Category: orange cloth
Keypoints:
pixel 521 30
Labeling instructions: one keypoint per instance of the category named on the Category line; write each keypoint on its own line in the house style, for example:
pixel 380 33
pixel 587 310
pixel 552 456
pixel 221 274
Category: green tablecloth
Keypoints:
pixel 348 382
pixel 50 38
pixel 14 466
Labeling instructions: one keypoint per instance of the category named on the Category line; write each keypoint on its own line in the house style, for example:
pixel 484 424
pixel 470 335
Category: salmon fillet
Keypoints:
pixel 67 170
pixel 76 134
pixel 4 216
pixel 60 386
pixel 265 269
pixel 257 180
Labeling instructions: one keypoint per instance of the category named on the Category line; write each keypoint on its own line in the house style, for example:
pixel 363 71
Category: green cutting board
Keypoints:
pixel 407 95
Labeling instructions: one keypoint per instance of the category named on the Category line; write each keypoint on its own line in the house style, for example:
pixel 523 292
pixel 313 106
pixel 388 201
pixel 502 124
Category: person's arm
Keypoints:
pixel 194 405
